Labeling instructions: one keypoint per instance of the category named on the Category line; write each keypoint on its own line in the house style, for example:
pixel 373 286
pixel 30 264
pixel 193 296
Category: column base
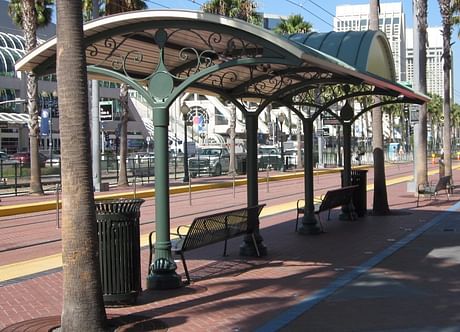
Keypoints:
pixel 309 226
pixel 164 281
pixel 249 250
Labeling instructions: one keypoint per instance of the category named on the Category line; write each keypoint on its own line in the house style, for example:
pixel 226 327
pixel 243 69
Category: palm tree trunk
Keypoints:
pixel 83 308
pixel 420 40
pixel 30 33
pixel 445 8
pixel 380 202
pixel 123 176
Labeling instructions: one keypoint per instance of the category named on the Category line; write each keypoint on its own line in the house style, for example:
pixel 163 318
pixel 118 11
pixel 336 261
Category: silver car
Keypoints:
pixel 209 161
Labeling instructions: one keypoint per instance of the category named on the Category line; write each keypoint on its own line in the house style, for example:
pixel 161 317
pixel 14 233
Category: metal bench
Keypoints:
pixel 210 229
pixel 332 199
pixel 444 183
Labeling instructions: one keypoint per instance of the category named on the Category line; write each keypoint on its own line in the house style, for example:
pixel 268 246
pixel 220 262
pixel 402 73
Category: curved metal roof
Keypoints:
pixel 205 52
pixel 367 51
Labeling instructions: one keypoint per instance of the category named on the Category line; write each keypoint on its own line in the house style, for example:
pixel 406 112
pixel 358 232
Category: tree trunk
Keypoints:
pixel 420 38
pixel 445 8
pixel 380 202
pixel 83 308
pixel 29 24
pixel 123 176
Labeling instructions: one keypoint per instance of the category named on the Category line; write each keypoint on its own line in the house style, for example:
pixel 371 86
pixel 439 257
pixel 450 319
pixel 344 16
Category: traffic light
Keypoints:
pixel 411 130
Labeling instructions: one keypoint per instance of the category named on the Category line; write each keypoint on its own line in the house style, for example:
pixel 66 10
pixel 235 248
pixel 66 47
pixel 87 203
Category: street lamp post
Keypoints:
pixel 184 109
pixel 281 119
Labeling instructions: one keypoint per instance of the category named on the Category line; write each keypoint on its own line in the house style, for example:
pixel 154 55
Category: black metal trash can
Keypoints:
pixel 359 178
pixel 119 249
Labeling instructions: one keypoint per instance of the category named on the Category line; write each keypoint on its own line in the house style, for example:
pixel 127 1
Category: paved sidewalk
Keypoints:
pixel 391 273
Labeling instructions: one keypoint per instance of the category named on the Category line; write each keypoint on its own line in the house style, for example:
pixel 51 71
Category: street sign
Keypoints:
pixel 106 110
pixel 326 132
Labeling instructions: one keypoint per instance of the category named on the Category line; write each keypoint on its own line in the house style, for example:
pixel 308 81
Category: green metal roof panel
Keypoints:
pixel 367 51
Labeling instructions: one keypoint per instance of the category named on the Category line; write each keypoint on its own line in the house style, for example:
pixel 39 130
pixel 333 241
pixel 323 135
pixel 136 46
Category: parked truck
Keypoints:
pixel 209 160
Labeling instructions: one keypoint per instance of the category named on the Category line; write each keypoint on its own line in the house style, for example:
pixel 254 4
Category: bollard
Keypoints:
pixel 190 189
pixel 233 184
pixel 57 205
pixel 268 179
pixel 135 186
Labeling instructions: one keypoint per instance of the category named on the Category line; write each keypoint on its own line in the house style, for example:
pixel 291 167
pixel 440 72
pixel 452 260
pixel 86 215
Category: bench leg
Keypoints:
pixel 297 221
pixel 255 244
pixel 185 267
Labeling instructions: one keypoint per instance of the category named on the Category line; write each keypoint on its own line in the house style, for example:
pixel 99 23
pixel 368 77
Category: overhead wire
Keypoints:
pixel 313 14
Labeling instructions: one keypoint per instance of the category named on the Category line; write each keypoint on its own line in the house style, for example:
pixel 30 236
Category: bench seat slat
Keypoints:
pixel 206 230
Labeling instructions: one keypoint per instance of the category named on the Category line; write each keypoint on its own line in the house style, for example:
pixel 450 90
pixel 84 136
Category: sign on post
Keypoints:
pixel 106 110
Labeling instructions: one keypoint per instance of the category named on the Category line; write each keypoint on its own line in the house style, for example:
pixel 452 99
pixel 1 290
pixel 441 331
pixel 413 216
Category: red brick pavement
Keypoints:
pixel 239 294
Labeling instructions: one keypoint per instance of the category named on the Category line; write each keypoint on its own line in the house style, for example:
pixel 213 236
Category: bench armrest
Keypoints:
pixel 300 204
pixel 182 231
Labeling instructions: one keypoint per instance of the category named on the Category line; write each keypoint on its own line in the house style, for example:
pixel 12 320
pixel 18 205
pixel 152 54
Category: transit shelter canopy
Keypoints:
pixel 170 51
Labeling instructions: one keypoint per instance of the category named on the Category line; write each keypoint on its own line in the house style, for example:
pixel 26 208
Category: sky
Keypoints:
pixel 320 14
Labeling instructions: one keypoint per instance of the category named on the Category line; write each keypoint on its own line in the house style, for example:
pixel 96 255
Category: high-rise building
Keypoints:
pixel 391 22
pixel 434 50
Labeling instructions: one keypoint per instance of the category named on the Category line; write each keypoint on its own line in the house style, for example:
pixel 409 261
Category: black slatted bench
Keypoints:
pixel 210 229
pixel 332 199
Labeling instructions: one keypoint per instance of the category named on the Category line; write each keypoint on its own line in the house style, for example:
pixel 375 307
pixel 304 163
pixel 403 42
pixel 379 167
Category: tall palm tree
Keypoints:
pixel 421 11
pixel 245 10
pixel 29 15
pixel 447 11
pixel 83 307
pixel 111 7
pixel 293 24
pixel 434 110
pixel 380 202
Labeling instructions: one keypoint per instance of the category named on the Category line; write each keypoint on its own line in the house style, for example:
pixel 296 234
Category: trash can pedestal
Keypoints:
pixel 119 249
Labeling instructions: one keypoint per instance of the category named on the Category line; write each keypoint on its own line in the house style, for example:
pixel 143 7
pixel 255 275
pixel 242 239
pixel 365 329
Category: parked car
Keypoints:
pixel 4 156
pixel 210 160
pixel 24 158
pixel 269 156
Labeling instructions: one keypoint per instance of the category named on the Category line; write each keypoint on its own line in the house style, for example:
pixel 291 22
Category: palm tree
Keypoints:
pixel 29 15
pixel 113 7
pixel 380 202
pixel 446 14
pixel 420 26
pixel 434 110
pixel 243 9
pixel 83 307
pixel 293 24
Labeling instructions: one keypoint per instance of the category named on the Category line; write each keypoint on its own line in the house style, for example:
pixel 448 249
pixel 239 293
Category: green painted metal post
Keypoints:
pixel 162 274
pixel 309 224
pixel 346 154
pixel 247 248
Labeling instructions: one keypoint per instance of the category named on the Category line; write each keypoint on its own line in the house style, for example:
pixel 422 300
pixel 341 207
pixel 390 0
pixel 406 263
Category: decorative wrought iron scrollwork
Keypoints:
pixel 209 49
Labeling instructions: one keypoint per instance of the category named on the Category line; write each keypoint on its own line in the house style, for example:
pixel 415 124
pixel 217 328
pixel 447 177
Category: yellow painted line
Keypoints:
pixel 36 265
pixel 21 269
pixel 10 210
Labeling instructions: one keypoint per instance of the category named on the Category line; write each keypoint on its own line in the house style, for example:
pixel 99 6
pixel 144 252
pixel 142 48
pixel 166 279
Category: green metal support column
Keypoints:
pixel 247 248
pixel 162 274
pixel 309 223
pixel 346 153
